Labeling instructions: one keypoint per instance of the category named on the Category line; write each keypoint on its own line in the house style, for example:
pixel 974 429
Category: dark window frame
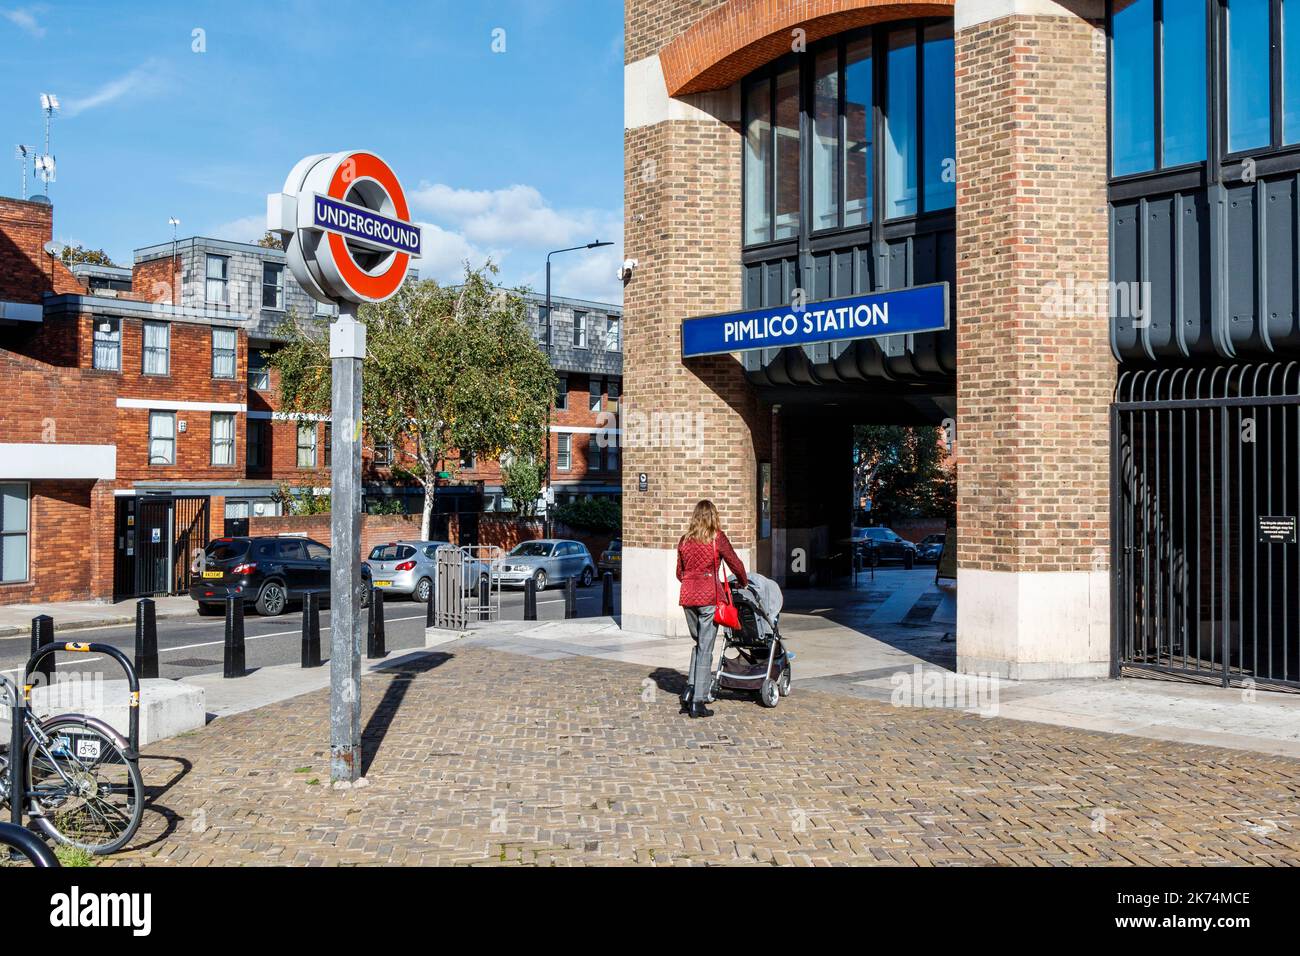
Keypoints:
pixel 116 344
pixel 277 286
pixel 258 430
pixel 145 348
pixel 234 438
pixel 232 352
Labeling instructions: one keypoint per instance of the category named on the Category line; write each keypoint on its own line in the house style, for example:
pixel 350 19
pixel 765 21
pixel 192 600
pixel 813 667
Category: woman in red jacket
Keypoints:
pixel 698 553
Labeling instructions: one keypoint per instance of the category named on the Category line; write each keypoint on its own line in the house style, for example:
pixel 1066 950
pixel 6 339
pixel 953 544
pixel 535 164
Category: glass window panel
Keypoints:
pixel 900 125
pixel 13 557
pixel 272 286
pixel 108 344
pixel 156 342
pixel 1133 117
pixel 307 445
pixel 223 353
pixel 1184 84
pixel 758 155
pixel 858 129
pixel 787 154
pixel 13 508
pixel 826 140
pixel 939 162
pixel 1291 71
pixel 1249 96
pixel 162 438
pixel 223 439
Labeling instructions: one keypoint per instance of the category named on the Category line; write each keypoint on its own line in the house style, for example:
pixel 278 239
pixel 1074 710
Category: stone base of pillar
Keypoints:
pixel 1033 625
pixel 650 590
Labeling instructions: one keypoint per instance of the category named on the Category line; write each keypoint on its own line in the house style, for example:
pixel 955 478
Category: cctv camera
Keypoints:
pixel 626 269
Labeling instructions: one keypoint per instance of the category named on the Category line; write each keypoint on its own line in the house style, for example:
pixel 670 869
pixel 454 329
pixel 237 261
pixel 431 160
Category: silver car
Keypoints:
pixel 546 561
pixel 410 567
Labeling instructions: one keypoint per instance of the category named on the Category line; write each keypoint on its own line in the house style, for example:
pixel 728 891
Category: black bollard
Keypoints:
pixel 234 650
pixel 375 640
pixel 570 599
pixel 429 607
pixel 607 594
pixel 530 600
pixel 42 634
pixel 146 638
pixel 311 630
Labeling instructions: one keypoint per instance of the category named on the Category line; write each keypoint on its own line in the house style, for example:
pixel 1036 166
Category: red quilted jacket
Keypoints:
pixel 697 564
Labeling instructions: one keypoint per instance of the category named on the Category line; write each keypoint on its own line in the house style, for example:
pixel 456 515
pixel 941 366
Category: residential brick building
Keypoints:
pixel 1115 233
pixel 139 414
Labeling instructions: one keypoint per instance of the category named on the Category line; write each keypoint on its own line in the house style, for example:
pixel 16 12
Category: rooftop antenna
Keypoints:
pixel 173 222
pixel 24 153
pixel 45 162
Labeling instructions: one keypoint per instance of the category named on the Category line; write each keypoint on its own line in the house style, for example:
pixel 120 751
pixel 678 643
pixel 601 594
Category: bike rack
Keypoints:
pixel 28 844
pixel 132 682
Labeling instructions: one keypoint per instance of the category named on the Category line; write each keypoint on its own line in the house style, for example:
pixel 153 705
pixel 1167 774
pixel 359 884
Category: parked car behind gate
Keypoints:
pixel 546 561
pixel 611 559
pixel 268 573
pixel 411 567
pixel 931 548
pixel 886 545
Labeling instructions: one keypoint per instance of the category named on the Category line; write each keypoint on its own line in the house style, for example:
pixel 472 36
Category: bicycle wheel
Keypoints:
pixel 83 789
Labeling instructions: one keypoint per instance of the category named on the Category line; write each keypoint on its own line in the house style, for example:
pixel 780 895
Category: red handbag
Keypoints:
pixel 724 611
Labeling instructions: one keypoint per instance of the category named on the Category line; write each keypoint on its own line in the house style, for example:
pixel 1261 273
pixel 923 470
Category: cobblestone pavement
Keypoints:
pixel 483 757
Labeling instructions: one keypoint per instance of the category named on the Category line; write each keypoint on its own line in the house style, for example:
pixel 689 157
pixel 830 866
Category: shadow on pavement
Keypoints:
pixel 372 735
pixel 152 793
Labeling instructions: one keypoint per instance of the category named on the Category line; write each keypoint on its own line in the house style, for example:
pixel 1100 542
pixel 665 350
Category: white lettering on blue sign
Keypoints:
pixel 363 224
pixel 917 309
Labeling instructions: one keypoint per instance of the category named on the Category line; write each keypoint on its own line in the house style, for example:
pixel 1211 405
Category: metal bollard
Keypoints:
pixel 375 639
pixel 42 634
pixel 607 595
pixel 530 600
pixel 234 651
pixel 311 630
pixel 17 802
pixel 433 596
pixel 570 599
pixel 146 638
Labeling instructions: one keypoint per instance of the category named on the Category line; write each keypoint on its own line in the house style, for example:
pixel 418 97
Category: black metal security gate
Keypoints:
pixel 1205 492
pixel 156 540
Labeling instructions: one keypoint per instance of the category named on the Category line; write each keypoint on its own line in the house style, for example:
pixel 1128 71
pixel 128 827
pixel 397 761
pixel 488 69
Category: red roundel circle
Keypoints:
pixel 358 166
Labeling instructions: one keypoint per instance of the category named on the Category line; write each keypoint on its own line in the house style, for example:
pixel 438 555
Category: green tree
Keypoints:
pixel 901 469
pixel 448 370
pixel 521 480
pixel 71 255
pixel 271 240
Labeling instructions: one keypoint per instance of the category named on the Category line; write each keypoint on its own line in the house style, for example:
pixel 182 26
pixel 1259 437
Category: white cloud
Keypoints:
pixel 145 78
pixel 445 254
pixel 243 229
pixel 25 19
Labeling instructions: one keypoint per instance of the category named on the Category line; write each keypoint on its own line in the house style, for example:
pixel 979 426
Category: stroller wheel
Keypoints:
pixel 783 682
pixel 768 694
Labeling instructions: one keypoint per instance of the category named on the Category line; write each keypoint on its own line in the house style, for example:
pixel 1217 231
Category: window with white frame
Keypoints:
pixel 306 444
pixel 223 438
pixel 564 452
pixel 162 438
pixel 108 344
pixel 14 524
pixel 579 330
pixel 223 353
pixel 613 334
pixel 156 354
pixel 272 285
pixel 612 389
pixel 594 393
pixel 218 276
pixel 259 371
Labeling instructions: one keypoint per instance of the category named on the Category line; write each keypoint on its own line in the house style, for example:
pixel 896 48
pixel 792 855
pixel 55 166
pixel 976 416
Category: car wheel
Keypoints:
pixel 539 580
pixel 210 610
pixel 422 590
pixel 272 599
pixel 587 577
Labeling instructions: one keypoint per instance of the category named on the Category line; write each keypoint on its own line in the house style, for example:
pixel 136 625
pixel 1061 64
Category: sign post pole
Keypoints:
pixel 347 349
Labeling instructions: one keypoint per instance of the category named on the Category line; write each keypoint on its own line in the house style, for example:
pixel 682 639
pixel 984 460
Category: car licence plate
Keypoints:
pixel 213 574
pixel 383 584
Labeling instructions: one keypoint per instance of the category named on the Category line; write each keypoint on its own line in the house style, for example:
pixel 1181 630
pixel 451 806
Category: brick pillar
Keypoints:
pixel 695 428
pixel 1033 386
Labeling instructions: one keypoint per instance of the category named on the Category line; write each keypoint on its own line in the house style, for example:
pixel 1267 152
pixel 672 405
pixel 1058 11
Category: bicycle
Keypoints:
pixel 80 780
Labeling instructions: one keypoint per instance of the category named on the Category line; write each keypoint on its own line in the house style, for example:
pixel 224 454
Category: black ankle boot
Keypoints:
pixel 686 706
pixel 699 710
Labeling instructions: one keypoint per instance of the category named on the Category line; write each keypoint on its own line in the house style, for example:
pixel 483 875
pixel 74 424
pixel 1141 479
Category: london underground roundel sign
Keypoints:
pixel 347 228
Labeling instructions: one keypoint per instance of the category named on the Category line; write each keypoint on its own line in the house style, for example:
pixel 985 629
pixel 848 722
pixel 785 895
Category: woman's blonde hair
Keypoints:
pixel 705 523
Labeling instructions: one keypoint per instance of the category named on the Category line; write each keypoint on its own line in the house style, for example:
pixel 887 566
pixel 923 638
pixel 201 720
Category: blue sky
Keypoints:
pixel 503 154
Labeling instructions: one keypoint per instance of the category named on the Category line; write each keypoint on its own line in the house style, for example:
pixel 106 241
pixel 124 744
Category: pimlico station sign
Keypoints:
pixel 348 239
pixel 921 308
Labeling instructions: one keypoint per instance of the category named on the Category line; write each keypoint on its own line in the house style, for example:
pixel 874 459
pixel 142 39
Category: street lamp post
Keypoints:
pixel 549 352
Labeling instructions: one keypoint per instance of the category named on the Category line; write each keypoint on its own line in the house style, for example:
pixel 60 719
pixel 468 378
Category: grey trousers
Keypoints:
pixel 699 680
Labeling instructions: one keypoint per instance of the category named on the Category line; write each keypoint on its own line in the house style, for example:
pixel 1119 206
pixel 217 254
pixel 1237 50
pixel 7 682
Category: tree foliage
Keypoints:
pixel 602 515
pixel 521 481
pixel 449 371
pixel 271 240
pixel 901 469
pixel 71 255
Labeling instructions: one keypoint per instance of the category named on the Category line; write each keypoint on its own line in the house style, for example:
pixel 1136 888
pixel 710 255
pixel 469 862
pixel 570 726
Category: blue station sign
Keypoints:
pixel 365 225
pixel 921 308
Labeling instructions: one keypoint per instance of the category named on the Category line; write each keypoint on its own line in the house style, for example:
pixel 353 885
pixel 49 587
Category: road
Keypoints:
pixel 194 645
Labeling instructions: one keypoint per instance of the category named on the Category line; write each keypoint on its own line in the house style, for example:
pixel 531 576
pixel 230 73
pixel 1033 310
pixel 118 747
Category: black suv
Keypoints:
pixel 267 572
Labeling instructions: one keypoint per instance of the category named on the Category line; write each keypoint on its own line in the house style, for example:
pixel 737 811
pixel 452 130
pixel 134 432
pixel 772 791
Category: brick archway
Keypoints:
pixel 741 35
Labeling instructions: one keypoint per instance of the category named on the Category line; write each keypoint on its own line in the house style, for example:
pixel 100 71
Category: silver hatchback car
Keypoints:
pixel 410 568
pixel 546 561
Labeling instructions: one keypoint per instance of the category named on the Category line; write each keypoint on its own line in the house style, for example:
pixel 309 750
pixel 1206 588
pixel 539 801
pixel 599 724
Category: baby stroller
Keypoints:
pixel 760 661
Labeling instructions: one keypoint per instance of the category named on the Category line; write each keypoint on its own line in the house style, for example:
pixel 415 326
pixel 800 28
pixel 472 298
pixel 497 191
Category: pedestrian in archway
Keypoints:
pixel 699 552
